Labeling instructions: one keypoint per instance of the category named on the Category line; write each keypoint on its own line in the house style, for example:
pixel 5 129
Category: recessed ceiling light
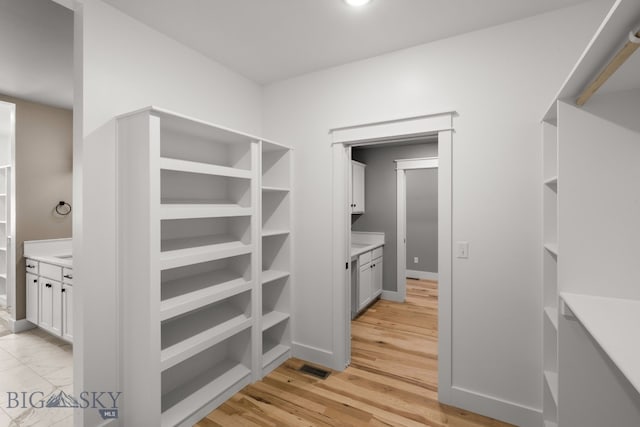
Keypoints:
pixel 357 3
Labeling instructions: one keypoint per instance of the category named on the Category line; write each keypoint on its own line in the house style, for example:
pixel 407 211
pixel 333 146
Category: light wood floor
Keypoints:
pixel 392 380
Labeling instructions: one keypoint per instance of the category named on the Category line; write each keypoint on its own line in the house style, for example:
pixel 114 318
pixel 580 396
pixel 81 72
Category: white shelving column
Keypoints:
pixel 276 256
pixel 550 273
pixel 5 232
pixel 188 268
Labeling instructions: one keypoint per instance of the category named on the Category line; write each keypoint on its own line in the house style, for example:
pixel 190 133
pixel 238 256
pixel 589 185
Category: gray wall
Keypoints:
pixel 422 219
pixel 380 196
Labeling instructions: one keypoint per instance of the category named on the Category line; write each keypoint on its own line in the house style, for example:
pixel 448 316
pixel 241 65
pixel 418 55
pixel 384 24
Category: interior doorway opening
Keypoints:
pixel 439 128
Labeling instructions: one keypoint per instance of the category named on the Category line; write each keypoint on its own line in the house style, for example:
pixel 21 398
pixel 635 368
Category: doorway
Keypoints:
pixel 440 127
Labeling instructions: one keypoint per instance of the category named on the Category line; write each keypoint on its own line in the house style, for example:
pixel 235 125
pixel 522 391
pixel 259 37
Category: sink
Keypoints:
pixel 64 256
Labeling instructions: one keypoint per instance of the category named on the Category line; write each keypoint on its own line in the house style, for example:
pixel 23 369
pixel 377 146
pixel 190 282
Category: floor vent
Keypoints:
pixel 316 372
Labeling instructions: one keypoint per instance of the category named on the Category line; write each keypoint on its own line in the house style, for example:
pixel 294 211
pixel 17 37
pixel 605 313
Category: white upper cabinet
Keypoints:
pixel 357 187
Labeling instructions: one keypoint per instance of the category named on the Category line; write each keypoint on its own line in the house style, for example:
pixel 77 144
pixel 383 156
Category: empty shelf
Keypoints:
pixel 275 189
pixel 552 315
pixel 269 233
pixel 552 247
pixel 611 322
pixel 227 320
pixel 193 396
pixel 194 250
pixel 551 378
pixel 272 352
pixel 272 318
pixel 190 211
pixel 272 275
pixel 191 293
pixel 203 168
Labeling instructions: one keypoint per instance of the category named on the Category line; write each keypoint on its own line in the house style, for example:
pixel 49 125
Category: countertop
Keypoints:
pixel 360 248
pixel 62 260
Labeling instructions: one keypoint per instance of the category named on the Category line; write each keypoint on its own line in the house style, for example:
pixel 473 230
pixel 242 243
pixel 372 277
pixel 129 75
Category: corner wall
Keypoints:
pixel 123 65
pixel 499 81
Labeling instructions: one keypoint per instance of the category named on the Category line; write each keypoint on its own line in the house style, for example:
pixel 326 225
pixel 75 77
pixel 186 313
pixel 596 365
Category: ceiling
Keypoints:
pixel 271 40
pixel 36 51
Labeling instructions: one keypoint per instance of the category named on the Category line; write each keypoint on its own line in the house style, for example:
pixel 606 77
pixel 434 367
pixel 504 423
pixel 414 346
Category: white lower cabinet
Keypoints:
pixel 32 298
pixel 67 312
pixel 369 277
pixel 49 301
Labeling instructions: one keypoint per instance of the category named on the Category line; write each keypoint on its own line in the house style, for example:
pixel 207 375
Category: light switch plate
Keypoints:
pixel 462 249
pixel 415 260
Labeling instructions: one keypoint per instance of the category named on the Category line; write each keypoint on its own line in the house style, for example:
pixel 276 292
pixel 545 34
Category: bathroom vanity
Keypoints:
pixel 49 281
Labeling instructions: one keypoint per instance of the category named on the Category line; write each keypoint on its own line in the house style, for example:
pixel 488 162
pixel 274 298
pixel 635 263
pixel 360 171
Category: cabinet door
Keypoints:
pixel 357 188
pixel 32 298
pixel 45 303
pixel 56 308
pixel 67 312
pixel 364 286
pixel 376 277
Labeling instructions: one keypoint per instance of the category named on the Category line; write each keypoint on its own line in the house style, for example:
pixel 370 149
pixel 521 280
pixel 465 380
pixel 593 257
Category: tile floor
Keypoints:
pixel 34 361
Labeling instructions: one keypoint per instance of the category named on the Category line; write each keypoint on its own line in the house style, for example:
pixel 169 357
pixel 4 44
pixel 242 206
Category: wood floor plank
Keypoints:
pixel 392 379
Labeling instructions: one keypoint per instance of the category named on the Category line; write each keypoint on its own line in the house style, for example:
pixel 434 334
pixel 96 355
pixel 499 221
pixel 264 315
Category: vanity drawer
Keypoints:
pixel 377 253
pixel 51 271
pixel 32 266
pixel 365 258
pixel 67 275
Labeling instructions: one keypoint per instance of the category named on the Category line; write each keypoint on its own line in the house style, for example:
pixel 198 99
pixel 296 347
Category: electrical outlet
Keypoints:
pixel 415 260
pixel 462 249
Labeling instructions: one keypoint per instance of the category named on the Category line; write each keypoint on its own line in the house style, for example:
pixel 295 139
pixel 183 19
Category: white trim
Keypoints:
pixel 314 355
pixel 440 124
pixel 401 233
pixel 497 408
pixel 394 130
pixel 17 326
pixel 423 275
pixel 69 4
pixel 391 296
pixel 424 163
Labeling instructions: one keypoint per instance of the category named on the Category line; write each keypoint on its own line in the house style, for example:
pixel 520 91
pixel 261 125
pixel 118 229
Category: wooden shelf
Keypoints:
pixel 270 233
pixel 552 247
pixel 191 211
pixel 552 183
pixel 272 352
pixel 203 168
pixel 273 275
pixel 183 295
pixel 552 315
pixel 187 336
pixel 193 396
pixel 275 189
pixel 551 379
pixel 187 251
pixel 612 323
pixel 272 318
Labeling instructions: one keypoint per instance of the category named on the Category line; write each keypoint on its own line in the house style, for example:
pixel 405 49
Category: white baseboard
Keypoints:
pixel 21 325
pixel 392 296
pixel 493 407
pixel 315 355
pixel 424 275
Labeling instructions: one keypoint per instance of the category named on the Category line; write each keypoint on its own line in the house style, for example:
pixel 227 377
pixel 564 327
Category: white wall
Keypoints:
pixel 499 81
pixel 126 66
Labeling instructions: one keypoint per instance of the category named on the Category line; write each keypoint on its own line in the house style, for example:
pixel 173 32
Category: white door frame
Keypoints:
pixel 343 139
pixel 402 166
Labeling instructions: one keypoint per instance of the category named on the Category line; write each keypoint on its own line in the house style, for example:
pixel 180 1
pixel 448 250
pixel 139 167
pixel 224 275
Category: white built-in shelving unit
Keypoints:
pixel 276 255
pixel 550 272
pixel 199 206
pixel 591 227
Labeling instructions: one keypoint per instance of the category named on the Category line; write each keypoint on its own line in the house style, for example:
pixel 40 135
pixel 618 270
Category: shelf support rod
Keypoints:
pixel 625 53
